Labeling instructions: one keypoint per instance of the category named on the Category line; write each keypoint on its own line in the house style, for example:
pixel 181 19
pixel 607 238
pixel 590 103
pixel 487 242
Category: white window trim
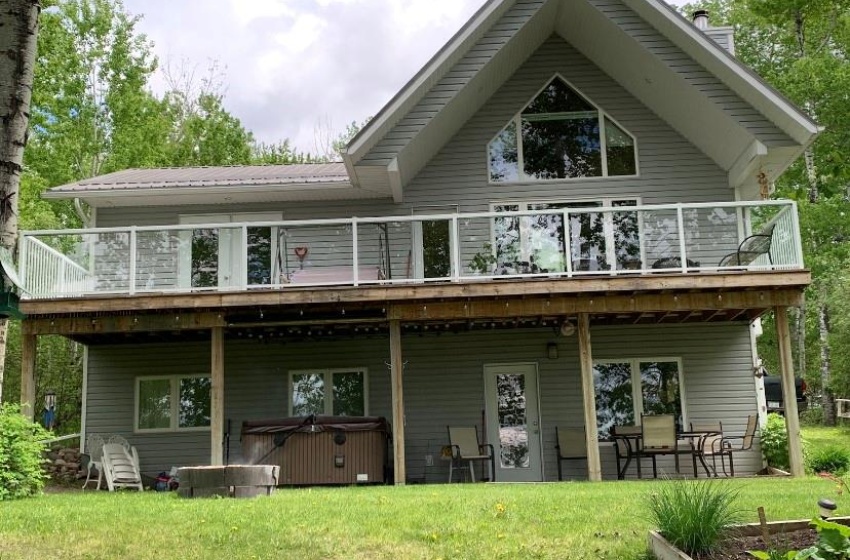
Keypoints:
pixel 175 403
pixel 329 395
pixel 523 205
pixel 516 121
pixel 637 388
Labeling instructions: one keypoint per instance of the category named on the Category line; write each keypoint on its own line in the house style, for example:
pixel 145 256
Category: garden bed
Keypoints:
pixel 784 535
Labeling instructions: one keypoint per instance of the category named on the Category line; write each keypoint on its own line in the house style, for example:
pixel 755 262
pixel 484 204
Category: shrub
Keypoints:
pixel 812 416
pixel 831 459
pixel 774 442
pixel 21 473
pixel 694 516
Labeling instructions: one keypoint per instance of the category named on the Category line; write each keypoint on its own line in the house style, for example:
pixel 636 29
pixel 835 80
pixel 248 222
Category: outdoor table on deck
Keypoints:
pixel 695 449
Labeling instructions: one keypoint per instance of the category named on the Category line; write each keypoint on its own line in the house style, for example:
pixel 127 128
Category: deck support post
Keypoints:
pixel 217 396
pixel 29 352
pixel 594 465
pixel 397 374
pixel 789 392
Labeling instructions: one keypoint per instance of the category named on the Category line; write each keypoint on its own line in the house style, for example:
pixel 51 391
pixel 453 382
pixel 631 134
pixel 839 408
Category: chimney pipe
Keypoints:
pixel 700 19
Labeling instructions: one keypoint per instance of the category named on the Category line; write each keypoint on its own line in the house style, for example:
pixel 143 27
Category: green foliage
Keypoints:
pixel 694 515
pixel 833 544
pixel 774 441
pixel 833 459
pixel 21 473
pixel 812 416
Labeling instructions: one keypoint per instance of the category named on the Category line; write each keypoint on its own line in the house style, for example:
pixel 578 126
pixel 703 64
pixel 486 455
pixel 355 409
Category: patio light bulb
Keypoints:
pixel 827 508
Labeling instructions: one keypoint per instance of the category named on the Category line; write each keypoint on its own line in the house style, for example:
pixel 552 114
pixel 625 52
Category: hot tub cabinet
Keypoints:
pixel 318 450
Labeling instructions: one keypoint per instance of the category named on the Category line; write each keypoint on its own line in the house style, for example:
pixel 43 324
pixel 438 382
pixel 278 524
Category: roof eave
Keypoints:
pixel 85 194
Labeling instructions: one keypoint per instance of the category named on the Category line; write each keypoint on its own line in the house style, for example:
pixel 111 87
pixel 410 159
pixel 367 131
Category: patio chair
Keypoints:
pixel 465 446
pixel 626 446
pixel 751 248
pixel 119 468
pixel 734 444
pixel 709 446
pixel 571 445
pixel 94 452
pixel 658 437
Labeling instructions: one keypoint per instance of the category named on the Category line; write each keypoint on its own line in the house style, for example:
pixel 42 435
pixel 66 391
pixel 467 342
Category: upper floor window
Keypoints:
pixel 561 135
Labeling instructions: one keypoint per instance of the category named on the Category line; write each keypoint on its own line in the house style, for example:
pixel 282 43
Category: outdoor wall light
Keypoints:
pixel 827 508
pixel 552 351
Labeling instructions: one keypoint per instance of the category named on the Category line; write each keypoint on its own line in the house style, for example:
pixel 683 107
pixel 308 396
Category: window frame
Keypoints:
pixel 602 115
pixel 524 205
pixel 174 380
pixel 328 401
pixel 637 384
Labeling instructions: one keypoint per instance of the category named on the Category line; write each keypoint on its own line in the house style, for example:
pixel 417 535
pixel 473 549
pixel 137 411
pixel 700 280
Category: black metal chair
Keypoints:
pixel 751 248
pixel 571 446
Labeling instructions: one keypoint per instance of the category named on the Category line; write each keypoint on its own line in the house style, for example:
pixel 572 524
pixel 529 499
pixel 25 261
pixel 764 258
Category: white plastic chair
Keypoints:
pixel 120 468
pixel 94 450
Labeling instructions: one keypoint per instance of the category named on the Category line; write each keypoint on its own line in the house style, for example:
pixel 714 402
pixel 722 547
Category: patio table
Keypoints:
pixel 633 445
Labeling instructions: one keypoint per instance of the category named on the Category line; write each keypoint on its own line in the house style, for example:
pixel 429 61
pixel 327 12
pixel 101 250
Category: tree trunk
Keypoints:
pixel 825 366
pixel 800 328
pixel 18 33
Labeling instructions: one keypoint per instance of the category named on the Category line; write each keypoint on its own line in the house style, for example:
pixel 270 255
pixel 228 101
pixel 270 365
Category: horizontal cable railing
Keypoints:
pixel 549 240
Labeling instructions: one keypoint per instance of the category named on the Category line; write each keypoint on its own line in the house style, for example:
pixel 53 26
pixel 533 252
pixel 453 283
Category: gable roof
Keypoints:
pixel 248 183
pixel 676 70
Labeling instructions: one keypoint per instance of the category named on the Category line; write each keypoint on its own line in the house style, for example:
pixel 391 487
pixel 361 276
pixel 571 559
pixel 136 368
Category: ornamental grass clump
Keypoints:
pixel 694 515
pixel 21 472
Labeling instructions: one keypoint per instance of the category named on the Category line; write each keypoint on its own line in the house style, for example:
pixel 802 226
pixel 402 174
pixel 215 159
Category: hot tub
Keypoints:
pixel 316 450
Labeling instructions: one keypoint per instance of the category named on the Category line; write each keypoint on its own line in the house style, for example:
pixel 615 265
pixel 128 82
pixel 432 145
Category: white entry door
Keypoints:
pixel 513 421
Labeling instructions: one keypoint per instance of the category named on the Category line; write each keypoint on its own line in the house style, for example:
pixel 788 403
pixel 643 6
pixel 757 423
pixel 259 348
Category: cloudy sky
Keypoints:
pixel 298 68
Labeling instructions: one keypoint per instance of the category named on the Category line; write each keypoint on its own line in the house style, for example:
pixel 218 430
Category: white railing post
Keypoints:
pixel 22 260
pixel 243 257
pixel 355 253
pixel 568 245
pixel 683 246
pixel 454 248
pixel 133 249
pixel 798 239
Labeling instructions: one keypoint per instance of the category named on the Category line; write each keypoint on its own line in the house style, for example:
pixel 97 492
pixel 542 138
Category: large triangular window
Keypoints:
pixel 561 135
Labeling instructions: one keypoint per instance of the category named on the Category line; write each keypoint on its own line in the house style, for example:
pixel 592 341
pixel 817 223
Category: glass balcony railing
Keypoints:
pixel 551 241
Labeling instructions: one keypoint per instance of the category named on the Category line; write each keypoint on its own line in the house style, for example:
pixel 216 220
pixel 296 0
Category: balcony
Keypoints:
pixel 551 241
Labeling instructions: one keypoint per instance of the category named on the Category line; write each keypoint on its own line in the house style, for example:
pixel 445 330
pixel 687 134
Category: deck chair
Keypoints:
pixel 750 249
pixel 658 437
pixel 571 445
pixel 734 444
pixel 625 447
pixel 465 446
pixel 119 468
pixel 709 446
pixel 94 452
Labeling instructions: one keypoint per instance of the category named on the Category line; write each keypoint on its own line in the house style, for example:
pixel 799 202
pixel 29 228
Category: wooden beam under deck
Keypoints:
pixel 609 304
pixel 291 296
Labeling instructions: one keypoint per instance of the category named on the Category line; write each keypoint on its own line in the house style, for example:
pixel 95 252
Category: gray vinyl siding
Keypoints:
pixel 692 72
pixel 443 385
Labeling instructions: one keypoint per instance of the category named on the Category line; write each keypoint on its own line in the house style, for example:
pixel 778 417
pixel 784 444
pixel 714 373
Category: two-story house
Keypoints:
pixel 540 230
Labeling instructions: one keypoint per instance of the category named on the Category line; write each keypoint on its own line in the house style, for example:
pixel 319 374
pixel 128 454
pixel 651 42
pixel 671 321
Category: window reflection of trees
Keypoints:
pixel 614 401
pixel 194 410
pixel 513 428
pixel 349 394
pixel 308 394
pixel 154 404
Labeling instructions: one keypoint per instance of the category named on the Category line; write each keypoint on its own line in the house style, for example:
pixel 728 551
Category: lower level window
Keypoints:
pixel 340 392
pixel 173 402
pixel 625 389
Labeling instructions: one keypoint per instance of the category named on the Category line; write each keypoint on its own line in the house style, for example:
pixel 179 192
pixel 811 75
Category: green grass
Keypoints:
pixel 565 521
pixel 819 437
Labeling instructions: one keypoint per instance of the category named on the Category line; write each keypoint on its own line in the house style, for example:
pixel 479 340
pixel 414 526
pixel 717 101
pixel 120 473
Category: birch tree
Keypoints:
pixel 18 37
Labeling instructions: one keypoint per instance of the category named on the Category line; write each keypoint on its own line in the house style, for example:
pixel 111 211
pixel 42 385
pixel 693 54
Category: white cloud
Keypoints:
pixel 291 64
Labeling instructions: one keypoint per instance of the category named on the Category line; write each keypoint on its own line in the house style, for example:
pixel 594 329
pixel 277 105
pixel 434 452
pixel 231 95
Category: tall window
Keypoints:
pixel 172 402
pixel 334 392
pixel 625 389
pixel 561 135
pixel 597 241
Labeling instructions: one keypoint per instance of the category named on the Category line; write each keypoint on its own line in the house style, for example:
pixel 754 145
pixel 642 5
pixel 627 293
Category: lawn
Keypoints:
pixel 563 520
pixel 818 437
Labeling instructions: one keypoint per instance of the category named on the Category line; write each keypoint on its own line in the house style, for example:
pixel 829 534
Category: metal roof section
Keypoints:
pixel 215 185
